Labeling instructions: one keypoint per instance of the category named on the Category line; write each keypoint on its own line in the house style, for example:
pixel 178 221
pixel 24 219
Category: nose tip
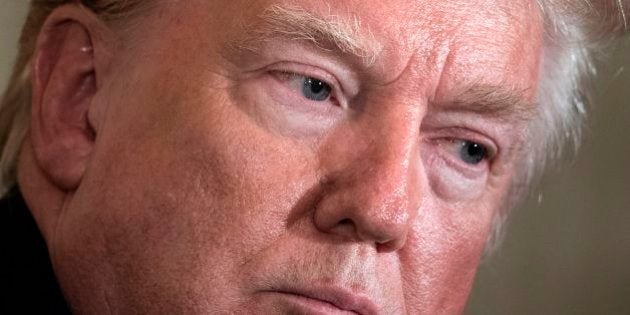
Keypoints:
pixel 376 208
pixel 389 231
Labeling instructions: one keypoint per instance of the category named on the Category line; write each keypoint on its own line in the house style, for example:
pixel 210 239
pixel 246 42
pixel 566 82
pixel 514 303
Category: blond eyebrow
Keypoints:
pixel 327 32
pixel 500 102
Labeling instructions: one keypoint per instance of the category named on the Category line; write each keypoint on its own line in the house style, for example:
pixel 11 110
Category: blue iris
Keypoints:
pixel 472 153
pixel 315 90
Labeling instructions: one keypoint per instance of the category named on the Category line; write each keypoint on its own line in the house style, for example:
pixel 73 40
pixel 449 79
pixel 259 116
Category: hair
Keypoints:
pixel 576 32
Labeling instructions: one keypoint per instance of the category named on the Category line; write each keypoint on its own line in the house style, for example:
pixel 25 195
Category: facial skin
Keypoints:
pixel 192 175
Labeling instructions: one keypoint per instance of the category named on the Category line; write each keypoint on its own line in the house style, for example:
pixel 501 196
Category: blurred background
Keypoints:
pixel 567 250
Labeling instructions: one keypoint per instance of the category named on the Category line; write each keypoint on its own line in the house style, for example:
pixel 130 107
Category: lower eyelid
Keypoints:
pixel 469 171
pixel 452 182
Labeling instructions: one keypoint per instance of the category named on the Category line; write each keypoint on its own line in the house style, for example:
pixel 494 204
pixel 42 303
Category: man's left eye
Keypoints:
pixel 471 152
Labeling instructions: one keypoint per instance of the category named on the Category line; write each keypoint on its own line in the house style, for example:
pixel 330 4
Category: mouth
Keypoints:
pixel 327 300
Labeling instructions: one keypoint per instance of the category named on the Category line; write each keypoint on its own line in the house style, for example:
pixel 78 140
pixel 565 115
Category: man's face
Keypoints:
pixel 277 157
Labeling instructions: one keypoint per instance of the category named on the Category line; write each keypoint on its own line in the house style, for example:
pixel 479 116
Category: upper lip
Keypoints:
pixel 337 296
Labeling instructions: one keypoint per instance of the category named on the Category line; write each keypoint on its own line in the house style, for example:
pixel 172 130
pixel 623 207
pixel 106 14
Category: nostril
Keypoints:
pixel 390 246
pixel 345 222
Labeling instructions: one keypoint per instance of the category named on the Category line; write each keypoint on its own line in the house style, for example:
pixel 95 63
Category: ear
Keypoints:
pixel 65 77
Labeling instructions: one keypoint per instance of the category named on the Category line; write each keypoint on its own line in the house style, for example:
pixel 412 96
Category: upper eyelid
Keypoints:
pixel 456 142
pixel 310 71
pixel 304 75
pixel 336 89
pixel 293 75
pixel 465 134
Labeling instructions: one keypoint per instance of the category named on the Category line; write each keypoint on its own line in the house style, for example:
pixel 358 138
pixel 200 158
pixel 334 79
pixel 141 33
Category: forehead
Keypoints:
pixel 458 42
pixel 450 44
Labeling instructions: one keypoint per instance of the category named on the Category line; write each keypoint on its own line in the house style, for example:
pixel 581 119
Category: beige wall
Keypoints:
pixel 12 13
pixel 569 254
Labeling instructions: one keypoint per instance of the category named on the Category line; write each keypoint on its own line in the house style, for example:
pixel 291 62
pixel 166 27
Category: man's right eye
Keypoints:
pixel 311 88
pixel 315 90
pixel 471 152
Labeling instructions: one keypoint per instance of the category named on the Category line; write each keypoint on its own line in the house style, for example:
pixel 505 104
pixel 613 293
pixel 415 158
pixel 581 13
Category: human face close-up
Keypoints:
pixel 299 157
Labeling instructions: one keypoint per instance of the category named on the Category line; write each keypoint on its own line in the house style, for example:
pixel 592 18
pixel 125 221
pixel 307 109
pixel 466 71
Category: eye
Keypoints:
pixel 471 152
pixel 314 89
pixel 308 87
pixel 460 162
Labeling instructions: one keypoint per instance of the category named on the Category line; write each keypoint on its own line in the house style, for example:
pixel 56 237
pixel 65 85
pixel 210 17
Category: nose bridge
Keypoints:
pixel 390 167
pixel 389 163
pixel 376 188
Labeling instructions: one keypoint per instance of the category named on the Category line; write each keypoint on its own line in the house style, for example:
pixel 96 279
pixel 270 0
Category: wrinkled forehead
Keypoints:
pixel 417 22
pixel 442 45
pixel 496 41
pixel 459 37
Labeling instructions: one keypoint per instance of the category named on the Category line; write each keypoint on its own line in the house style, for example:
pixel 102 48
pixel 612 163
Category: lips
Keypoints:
pixel 331 297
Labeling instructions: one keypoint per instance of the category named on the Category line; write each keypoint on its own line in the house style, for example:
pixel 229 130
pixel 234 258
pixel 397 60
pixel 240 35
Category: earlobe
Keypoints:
pixel 64 84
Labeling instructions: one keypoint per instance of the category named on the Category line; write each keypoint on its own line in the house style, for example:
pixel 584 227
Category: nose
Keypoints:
pixel 371 179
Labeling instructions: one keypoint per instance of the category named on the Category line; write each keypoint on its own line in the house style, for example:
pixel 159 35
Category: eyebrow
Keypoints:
pixel 328 32
pixel 501 102
pixel 348 36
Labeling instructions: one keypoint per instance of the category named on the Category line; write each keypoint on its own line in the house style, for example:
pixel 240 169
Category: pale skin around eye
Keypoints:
pixel 318 90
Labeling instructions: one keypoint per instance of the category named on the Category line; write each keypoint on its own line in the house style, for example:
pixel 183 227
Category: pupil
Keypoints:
pixel 473 153
pixel 316 90
pixel 316 86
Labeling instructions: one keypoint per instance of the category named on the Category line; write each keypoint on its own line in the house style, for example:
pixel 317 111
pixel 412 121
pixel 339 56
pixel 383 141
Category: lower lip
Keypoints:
pixel 305 305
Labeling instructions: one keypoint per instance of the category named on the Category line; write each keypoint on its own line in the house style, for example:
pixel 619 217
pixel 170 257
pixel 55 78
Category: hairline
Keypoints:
pixel 329 31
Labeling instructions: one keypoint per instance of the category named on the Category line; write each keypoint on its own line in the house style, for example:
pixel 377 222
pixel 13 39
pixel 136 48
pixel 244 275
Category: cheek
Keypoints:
pixel 443 251
pixel 177 207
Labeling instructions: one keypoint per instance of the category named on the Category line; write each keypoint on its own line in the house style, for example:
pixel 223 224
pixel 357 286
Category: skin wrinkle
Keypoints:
pixel 509 105
pixel 295 23
pixel 114 10
pixel 488 100
pixel 192 206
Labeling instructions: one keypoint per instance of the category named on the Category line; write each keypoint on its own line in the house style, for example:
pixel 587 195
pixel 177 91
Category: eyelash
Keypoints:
pixel 451 156
pixel 288 76
pixel 285 73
